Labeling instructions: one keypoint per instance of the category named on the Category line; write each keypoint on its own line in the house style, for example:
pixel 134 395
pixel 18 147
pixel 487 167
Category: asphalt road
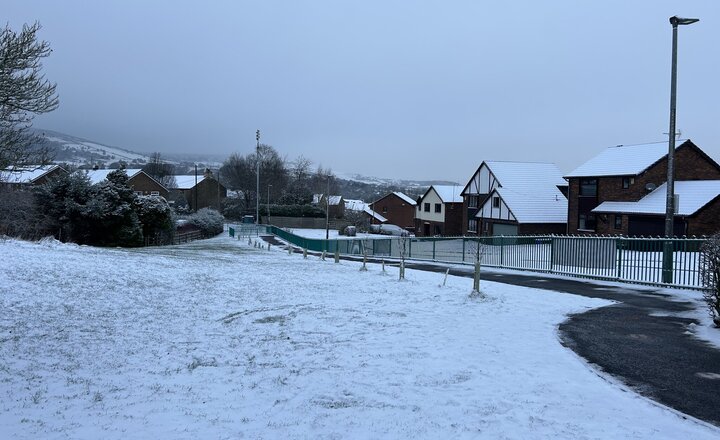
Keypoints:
pixel 640 340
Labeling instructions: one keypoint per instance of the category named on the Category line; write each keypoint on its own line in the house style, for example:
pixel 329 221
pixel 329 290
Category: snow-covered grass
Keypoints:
pixel 217 339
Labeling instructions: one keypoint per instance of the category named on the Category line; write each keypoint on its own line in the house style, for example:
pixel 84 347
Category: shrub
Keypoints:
pixel 112 215
pixel 233 208
pixel 157 219
pixel 20 216
pixel 710 274
pixel 208 220
pixel 293 211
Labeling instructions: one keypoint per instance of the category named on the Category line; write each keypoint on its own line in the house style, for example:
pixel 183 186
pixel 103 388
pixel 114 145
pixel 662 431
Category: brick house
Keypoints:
pixel 632 174
pixel 515 198
pixel 697 210
pixel 439 212
pixel 201 191
pixel 397 208
pixel 335 204
pixel 139 181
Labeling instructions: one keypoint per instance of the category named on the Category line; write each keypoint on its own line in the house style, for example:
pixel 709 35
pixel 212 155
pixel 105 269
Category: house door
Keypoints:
pixel 426 229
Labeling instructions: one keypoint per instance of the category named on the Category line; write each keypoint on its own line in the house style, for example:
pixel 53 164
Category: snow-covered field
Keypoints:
pixel 217 339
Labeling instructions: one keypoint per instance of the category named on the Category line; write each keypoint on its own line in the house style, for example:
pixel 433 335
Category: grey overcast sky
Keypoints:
pixel 407 89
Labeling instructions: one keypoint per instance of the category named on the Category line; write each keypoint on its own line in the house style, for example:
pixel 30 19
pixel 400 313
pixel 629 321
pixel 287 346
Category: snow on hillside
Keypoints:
pixel 217 339
pixel 79 151
pixel 354 177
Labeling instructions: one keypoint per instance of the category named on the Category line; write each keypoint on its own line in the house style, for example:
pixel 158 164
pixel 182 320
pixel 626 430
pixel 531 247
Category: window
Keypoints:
pixel 139 193
pixel 437 230
pixel 496 202
pixel 426 207
pixel 384 209
pixel 588 187
pixel 473 201
pixel 438 207
pixel 586 222
pixel 472 225
pixel 154 193
pixel 626 181
pixel 618 221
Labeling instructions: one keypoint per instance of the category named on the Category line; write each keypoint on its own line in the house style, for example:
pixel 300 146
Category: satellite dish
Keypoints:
pixel 650 187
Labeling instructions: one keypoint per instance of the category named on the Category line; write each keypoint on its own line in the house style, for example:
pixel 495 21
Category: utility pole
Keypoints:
pixel 327 209
pixel 257 175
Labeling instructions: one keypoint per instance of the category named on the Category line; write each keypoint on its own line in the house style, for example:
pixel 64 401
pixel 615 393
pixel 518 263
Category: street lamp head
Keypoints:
pixel 675 21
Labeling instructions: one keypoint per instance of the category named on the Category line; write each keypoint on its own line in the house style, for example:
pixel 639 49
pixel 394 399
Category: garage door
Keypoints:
pixel 648 226
pixel 503 229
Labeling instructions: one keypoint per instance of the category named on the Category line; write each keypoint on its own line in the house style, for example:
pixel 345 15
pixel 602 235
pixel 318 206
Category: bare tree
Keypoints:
pixel 476 249
pixel 238 173
pixel 298 192
pixel 160 170
pixel 403 248
pixel 366 245
pixel 710 275
pixel 24 92
pixel 323 181
pixel 20 216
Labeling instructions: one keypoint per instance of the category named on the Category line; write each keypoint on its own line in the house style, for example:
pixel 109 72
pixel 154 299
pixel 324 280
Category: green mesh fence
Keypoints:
pixel 636 260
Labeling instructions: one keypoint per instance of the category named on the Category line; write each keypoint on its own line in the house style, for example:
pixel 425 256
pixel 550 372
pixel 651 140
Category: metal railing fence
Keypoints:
pixel 634 260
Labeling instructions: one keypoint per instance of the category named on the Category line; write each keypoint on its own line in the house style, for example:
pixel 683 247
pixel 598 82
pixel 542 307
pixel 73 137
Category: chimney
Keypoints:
pixel 207 174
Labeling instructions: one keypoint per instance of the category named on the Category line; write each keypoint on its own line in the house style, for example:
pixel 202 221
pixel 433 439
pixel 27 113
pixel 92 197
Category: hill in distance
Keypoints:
pixel 81 152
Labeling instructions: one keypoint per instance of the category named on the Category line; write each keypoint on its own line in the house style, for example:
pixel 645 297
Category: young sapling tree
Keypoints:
pixel 710 275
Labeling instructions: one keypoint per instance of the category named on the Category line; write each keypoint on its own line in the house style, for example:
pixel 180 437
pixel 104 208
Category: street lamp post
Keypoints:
pixel 670 196
pixel 257 175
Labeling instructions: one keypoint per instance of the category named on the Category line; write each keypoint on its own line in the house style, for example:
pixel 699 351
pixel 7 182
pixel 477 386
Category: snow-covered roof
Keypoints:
pixel 354 205
pixel 623 160
pixel 693 195
pixel 26 175
pixel 97 176
pixel 375 215
pixel 519 175
pixel 405 197
pixel 530 190
pixel 334 200
pixel 543 205
pixel 188 181
pixel 449 193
